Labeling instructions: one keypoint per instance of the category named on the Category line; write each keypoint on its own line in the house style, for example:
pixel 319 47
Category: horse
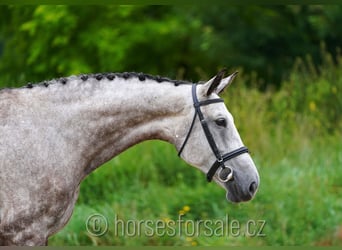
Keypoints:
pixel 54 133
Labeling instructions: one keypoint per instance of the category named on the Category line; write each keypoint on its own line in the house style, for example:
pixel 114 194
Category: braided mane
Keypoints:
pixel 110 76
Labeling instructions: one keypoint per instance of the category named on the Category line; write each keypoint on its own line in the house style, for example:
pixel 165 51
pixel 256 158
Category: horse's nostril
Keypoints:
pixel 252 187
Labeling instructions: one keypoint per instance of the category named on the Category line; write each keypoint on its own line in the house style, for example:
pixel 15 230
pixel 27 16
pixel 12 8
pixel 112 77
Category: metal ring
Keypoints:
pixel 228 178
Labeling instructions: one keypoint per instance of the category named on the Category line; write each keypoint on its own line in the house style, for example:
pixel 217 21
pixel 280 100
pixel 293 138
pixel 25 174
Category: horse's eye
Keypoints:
pixel 221 122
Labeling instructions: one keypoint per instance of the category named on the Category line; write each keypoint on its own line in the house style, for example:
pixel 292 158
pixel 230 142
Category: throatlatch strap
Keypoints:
pixel 188 135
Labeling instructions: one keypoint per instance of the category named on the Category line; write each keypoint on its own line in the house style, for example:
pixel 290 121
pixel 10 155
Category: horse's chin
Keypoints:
pixel 232 198
pixel 236 198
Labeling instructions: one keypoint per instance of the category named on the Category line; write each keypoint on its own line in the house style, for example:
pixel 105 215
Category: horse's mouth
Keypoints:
pixel 237 198
pixel 237 194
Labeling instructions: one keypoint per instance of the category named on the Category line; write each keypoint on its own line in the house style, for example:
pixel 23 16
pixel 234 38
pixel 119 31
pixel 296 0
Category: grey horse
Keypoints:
pixel 53 134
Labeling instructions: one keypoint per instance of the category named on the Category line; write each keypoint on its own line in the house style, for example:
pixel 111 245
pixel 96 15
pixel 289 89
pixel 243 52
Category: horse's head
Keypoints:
pixel 212 143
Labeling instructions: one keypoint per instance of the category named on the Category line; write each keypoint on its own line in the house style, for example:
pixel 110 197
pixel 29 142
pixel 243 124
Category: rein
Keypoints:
pixel 220 159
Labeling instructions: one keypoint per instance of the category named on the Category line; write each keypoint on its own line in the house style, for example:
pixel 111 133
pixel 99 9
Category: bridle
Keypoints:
pixel 220 159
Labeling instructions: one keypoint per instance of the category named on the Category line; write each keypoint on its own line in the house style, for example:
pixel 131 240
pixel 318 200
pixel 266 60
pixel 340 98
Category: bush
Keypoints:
pixel 311 94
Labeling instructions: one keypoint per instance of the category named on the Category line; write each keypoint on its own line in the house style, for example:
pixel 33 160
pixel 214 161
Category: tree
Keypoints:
pixel 41 42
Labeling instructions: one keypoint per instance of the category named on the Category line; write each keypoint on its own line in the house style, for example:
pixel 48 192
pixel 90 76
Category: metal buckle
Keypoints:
pixel 228 178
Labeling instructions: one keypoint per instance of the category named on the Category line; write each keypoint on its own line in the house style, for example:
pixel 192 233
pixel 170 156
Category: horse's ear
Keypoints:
pixel 225 82
pixel 217 84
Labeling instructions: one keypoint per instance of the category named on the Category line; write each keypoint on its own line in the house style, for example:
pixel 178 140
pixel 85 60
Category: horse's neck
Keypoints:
pixel 103 118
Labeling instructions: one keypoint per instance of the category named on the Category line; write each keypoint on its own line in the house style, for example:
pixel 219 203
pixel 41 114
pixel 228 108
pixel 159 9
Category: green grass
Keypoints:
pixel 300 197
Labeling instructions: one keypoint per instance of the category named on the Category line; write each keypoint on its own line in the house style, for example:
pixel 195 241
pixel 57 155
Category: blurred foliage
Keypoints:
pixel 48 41
pixel 39 42
pixel 313 93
